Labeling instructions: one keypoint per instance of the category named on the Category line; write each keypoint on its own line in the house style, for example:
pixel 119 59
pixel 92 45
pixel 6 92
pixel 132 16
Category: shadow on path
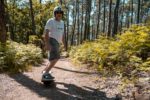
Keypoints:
pixel 69 92
pixel 76 71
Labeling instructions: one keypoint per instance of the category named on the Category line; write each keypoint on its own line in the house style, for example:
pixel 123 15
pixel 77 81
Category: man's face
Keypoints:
pixel 59 15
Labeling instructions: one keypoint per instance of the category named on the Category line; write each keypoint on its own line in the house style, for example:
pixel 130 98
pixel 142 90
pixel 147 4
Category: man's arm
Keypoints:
pixel 46 36
pixel 46 39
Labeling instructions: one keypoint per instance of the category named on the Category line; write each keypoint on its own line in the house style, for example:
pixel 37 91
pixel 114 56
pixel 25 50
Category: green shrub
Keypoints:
pixel 126 52
pixel 145 66
pixel 18 57
pixel 129 46
pixel 2 57
pixel 34 39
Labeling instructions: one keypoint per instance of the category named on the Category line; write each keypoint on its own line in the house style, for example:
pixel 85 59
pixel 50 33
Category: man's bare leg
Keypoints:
pixel 50 65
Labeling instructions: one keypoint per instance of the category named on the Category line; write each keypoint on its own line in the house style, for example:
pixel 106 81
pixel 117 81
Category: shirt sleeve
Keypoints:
pixel 48 25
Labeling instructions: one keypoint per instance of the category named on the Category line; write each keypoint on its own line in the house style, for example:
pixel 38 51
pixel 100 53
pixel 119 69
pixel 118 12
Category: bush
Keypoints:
pixel 125 53
pixel 2 57
pixel 34 39
pixel 17 57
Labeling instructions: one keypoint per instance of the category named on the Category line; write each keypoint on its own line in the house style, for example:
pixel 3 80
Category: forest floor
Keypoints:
pixel 72 83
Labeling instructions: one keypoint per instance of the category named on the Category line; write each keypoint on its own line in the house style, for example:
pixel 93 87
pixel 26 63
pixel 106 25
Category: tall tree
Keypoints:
pixel 104 16
pixel 109 23
pixel 132 8
pixel 86 21
pixel 60 1
pixel 40 1
pixel 138 13
pixel 78 12
pixel 98 22
pixel 12 33
pixel 81 37
pixel 122 14
pixel 2 22
pixel 116 17
pixel 66 24
pixel 89 19
pixel 74 23
pixel 67 32
pixel 32 17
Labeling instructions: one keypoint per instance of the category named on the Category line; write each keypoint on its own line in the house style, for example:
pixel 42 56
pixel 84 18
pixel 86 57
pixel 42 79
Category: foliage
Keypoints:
pixel 2 57
pixel 18 57
pixel 90 51
pixel 34 39
pixel 19 19
pixel 127 52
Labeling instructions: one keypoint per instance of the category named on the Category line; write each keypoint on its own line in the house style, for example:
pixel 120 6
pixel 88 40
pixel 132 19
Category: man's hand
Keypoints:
pixel 46 40
pixel 47 47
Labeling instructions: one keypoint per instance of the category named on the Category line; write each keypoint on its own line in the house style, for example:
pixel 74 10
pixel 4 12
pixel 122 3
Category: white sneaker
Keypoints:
pixel 45 72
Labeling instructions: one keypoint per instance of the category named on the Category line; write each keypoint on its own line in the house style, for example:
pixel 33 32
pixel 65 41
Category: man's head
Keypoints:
pixel 58 13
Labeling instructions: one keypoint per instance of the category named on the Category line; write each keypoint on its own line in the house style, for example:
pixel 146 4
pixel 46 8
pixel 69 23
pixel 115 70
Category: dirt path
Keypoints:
pixel 73 83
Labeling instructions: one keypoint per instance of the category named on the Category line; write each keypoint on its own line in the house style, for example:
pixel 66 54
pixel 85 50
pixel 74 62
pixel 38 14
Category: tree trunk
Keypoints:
pixel 2 23
pixel 67 28
pixel 132 11
pixel 40 1
pixel 109 23
pixel 116 18
pixel 138 13
pixel 74 26
pixel 32 18
pixel 78 36
pixel 142 12
pixel 104 16
pixel 99 9
pixel 127 20
pixel 122 15
pixel 60 1
pixel 89 19
pixel 81 38
pixel 86 23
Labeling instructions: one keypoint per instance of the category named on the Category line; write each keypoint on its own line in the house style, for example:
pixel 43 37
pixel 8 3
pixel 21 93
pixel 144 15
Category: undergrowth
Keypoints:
pixel 17 57
pixel 125 55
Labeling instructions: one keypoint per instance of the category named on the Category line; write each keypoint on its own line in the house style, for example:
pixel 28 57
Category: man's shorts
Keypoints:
pixel 54 52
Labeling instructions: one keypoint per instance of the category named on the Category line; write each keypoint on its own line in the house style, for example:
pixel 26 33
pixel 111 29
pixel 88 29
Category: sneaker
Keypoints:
pixel 47 77
pixel 50 72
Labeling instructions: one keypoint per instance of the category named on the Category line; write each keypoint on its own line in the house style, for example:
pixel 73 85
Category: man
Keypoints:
pixel 53 35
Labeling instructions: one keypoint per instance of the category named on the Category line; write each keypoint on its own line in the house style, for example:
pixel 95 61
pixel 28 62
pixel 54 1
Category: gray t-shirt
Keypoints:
pixel 56 29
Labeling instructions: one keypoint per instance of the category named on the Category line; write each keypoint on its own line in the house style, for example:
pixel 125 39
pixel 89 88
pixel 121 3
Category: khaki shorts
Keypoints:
pixel 54 53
